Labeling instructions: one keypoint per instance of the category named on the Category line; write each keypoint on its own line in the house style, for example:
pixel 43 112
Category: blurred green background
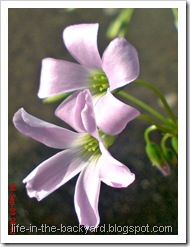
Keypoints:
pixel 37 33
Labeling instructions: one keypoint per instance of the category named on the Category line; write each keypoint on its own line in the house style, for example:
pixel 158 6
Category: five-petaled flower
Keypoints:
pixel 118 66
pixel 85 151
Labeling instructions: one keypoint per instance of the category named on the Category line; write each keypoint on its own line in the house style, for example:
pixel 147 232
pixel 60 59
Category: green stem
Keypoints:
pixel 160 95
pixel 142 105
pixel 163 141
pixel 162 128
pixel 147 132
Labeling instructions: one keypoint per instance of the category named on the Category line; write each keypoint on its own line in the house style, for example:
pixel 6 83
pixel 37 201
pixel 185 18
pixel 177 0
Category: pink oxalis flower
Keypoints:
pixel 85 152
pixel 118 66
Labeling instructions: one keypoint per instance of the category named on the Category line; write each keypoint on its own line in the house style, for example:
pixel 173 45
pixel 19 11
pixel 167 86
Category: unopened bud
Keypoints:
pixel 156 156
pixel 175 143
pixel 170 156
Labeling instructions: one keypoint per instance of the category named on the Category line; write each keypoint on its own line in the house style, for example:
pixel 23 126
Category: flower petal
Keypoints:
pixel 112 172
pixel 77 110
pixel 53 173
pixel 44 132
pixel 81 41
pixel 59 76
pixel 88 117
pixel 112 115
pixel 87 196
pixel 120 63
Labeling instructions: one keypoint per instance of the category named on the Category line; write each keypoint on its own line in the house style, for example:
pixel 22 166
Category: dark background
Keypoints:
pixel 37 33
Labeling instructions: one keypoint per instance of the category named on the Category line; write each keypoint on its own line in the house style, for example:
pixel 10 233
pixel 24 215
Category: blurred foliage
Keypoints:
pixel 119 27
pixel 175 13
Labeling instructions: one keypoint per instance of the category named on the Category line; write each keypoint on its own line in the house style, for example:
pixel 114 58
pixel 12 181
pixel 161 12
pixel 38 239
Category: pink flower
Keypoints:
pixel 118 66
pixel 84 152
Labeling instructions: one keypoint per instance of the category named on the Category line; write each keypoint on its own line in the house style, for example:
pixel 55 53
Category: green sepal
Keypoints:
pixel 175 143
pixel 154 153
pixel 170 156
pixel 59 97
pixel 157 158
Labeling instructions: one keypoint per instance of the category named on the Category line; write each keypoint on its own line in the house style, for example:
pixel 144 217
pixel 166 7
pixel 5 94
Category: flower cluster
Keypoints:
pixel 96 116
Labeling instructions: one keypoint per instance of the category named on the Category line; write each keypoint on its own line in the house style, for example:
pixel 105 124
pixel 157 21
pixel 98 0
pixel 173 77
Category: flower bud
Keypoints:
pixel 170 156
pixel 175 143
pixel 156 156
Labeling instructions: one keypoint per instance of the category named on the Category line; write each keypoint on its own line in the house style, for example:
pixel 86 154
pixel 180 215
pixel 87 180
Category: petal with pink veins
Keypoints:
pixel 120 63
pixel 81 41
pixel 44 132
pixel 113 172
pixel 86 198
pixel 53 173
pixel 77 111
pixel 58 76
pixel 112 115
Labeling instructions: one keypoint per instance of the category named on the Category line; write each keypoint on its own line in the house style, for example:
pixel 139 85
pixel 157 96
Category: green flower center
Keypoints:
pixel 98 82
pixel 89 146
pixel 92 145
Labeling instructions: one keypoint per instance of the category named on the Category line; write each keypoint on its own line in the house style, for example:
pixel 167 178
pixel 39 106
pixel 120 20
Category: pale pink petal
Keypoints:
pixel 87 196
pixel 88 117
pixel 77 111
pixel 112 115
pixel 59 76
pixel 53 173
pixel 81 41
pixel 120 63
pixel 112 172
pixel 70 111
pixel 44 132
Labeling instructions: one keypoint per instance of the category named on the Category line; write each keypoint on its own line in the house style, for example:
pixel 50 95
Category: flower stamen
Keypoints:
pixel 98 82
pixel 91 146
